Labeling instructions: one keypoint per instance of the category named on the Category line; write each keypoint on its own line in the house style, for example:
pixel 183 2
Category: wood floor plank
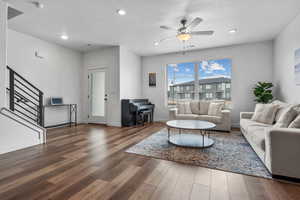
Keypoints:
pixel 200 191
pixel 218 186
pixel 89 192
pixel 144 192
pixel 237 187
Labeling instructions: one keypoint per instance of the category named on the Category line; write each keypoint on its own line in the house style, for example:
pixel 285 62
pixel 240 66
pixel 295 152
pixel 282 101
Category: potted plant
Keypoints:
pixel 263 92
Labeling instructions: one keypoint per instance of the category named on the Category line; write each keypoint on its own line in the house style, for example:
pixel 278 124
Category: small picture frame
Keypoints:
pixel 152 79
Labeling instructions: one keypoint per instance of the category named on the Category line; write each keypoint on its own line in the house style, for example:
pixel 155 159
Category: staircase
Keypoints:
pixel 23 120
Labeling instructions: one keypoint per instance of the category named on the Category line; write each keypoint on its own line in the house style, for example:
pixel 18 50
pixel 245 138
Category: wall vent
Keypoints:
pixel 11 13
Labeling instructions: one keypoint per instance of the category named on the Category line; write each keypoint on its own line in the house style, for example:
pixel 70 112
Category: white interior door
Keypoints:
pixel 97 96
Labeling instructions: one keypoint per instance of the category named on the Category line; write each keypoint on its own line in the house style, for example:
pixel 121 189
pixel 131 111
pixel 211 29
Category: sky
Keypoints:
pixel 184 72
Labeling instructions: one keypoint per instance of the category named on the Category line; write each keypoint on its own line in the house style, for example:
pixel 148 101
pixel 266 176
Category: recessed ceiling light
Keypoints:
pixel 64 37
pixel 232 31
pixel 121 12
pixel 156 43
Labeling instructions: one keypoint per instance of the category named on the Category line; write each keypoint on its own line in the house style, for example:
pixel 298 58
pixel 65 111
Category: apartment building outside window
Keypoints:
pixel 213 81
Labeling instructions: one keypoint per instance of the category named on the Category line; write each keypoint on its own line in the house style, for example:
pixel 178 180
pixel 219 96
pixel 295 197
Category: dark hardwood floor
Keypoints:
pixel 89 162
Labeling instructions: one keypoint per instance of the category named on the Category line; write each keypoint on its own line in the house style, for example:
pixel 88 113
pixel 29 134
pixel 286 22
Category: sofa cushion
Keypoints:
pixel 295 123
pixel 204 105
pixel 195 107
pixel 257 136
pixel 213 119
pixel 215 109
pixel 286 117
pixel 265 113
pixel 187 116
pixel 246 123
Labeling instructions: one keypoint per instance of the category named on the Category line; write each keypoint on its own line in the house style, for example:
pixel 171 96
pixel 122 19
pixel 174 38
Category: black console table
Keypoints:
pixel 72 110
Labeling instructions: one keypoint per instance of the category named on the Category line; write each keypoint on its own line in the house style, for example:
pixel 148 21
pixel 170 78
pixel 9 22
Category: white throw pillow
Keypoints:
pixel 286 117
pixel 265 113
pixel 184 108
pixel 195 107
pixel 181 108
pixel 295 123
pixel 215 109
pixel 187 108
pixel 204 105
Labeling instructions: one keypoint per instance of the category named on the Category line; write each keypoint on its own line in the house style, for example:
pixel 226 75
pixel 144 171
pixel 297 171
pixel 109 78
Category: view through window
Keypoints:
pixel 205 80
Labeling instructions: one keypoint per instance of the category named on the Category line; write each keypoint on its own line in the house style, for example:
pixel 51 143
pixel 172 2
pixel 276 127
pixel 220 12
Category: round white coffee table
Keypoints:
pixel 190 139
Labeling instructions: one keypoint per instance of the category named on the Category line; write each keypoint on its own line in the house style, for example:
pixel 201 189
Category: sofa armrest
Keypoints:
pixel 226 119
pixel 173 113
pixel 282 151
pixel 246 115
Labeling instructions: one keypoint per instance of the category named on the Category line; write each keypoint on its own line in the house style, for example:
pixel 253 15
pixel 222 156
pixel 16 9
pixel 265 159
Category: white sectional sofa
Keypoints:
pixel 278 148
pixel 199 110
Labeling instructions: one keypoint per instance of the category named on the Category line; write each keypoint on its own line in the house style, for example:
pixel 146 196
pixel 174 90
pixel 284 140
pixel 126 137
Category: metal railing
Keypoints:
pixel 25 99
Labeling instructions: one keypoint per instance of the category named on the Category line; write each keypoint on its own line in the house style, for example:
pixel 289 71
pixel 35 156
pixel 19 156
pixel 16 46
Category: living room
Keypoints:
pixel 200 102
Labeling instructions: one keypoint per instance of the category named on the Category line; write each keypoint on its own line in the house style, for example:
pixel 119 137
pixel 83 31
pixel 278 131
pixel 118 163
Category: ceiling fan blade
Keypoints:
pixel 167 38
pixel 195 22
pixel 202 32
pixel 167 28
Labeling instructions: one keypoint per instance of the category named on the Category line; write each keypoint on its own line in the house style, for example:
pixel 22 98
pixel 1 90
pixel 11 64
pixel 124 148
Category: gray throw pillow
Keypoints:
pixel 295 123
pixel 286 117
pixel 265 113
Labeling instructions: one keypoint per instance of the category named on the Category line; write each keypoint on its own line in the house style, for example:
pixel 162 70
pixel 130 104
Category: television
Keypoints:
pixel 56 100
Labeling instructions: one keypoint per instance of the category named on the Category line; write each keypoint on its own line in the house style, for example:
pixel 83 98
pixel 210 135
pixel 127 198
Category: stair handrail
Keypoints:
pixel 44 131
pixel 19 87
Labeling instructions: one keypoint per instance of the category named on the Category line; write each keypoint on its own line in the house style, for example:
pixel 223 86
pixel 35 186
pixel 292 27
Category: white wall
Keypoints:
pixel 57 74
pixel 285 45
pixel 3 29
pixel 15 136
pixel 130 74
pixel 250 63
pixel 105 58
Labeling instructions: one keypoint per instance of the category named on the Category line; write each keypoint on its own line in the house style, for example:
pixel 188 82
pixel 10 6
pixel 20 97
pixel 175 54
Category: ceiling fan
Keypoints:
pixel 185 32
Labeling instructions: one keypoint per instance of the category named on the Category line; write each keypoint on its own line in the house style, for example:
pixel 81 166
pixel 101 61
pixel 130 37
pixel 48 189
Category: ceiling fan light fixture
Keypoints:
pixel 232 31
pixel 184 36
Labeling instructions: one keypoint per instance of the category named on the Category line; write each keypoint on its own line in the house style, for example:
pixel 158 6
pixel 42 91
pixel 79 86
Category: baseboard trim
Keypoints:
pixel 286 178
pixel 117 124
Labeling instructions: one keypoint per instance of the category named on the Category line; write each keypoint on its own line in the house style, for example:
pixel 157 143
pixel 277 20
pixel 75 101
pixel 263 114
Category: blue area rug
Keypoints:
pixel 230 152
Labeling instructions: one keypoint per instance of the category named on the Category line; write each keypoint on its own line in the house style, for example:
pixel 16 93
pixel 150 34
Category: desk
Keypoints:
pixel 72 110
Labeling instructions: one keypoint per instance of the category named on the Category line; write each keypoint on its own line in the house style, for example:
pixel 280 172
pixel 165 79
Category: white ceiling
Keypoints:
pixel 96 22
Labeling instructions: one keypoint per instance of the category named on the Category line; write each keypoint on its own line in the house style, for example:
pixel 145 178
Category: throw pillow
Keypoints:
pixel 282 108
pixel 295 123
pixel 286 117
pixel 204 105
pixel 181 108
pixel 187 108
pixel 195 107
pixel 215 109
pixel 184 108
pixel 265 113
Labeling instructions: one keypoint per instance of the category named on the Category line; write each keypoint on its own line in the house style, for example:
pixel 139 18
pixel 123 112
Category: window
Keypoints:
pixel 214 80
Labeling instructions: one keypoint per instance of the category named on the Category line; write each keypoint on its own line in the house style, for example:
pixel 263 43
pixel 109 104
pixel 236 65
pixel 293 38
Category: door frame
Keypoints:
pixel 96 120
